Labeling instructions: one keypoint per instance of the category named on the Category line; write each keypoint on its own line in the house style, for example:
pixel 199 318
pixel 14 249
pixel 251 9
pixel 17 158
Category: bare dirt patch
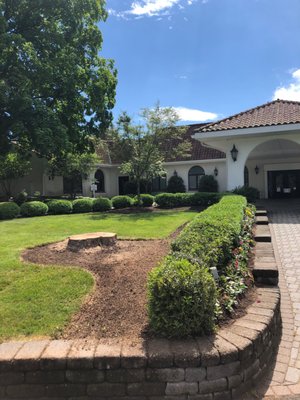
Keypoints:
pixel 117 307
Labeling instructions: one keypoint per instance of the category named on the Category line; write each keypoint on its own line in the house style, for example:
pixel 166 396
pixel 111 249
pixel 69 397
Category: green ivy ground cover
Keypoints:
pixel 38 301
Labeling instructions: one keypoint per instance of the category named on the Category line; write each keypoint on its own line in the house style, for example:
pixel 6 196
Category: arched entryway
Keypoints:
pixel 274 168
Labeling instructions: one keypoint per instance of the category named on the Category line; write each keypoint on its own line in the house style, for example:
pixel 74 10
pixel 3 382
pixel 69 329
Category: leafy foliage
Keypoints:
pixel 33 209
pixel 147 200
pixel 102 204
pixel 208 183
pixel 181 299
pixel 52 76
pixel 176 184
pixel 9 210
pixel 122 201
pixel 143 148
pixel 251 193
pixel 57 207
pixel 12 166
pixel 21 197
pixel 83 205
pixel 170 200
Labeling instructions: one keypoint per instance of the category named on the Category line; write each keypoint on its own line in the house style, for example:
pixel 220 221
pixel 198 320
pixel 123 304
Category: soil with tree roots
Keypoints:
pixel 117 307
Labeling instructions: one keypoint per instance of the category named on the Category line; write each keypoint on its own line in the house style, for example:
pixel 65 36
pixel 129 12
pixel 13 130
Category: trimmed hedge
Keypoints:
pixel 206 242
pixel 102 204
pixel 59 207
pixel 122 201
pixel 147 200
pixel 251 193
pixel 182 299
pixel 170 200
pixel 9 210
pixel 33 209
pixel 82 205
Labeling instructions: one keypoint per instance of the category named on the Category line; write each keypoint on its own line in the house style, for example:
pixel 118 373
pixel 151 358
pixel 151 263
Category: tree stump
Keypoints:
pixel 87 240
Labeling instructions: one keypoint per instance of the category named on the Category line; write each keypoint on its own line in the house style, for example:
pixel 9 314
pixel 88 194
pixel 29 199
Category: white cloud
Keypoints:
pixel 190 114
pixel 291 91
pixel 151 7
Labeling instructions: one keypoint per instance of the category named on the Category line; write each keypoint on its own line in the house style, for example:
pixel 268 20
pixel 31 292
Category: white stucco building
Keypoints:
pixel 258 147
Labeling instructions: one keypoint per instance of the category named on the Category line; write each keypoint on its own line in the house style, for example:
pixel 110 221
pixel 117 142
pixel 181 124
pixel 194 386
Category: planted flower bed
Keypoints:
pixel 205 273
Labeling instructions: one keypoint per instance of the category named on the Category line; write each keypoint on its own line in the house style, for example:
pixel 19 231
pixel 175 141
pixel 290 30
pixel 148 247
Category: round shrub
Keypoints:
pixel 83 205
pixel 59 207
pixel 33 209
pixel 122 201
pixel 147 200
pixel 208 183
pixel 9 210
pixel 21 197
pixel 102 204
pixel 166 200
pixel 176 184
pixel 251 193
pixel 181 299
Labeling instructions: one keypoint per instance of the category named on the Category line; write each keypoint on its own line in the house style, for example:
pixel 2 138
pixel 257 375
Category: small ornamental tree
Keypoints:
pixel 176 184
pixel 12 166
pixel 144 148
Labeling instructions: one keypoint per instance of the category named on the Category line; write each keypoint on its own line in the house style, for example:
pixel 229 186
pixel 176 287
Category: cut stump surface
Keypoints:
pixel 94 239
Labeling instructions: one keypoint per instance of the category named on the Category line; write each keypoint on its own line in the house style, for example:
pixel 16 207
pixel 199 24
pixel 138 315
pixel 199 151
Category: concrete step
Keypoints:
pixel 262 220
pixel 261 213
pixel 265 272
pixel 262 234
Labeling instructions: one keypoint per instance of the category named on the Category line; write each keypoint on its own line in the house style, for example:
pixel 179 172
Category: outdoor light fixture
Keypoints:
pixel 256 169
pixel 216 171
pixel 234 152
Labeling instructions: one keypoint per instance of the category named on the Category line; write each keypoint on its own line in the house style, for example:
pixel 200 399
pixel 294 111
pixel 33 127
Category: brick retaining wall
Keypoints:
pixel 211 368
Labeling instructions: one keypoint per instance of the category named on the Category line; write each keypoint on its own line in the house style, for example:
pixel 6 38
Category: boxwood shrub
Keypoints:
pixel 102 204
pixel 59 207
pixel 206 242
pixel 33 209
pixel 9 210
pixel 170 200
pixel 122 201
pixel 82 205
pixel 182 299
pixel 147 200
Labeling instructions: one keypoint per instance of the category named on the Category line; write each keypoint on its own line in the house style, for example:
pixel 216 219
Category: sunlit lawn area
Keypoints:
pixel 39 301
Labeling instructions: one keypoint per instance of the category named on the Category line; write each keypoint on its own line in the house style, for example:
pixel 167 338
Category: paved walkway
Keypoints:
pixel 283 381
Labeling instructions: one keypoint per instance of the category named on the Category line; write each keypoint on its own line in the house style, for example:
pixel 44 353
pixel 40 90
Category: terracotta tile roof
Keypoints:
pixel 198 151
pixel 278 112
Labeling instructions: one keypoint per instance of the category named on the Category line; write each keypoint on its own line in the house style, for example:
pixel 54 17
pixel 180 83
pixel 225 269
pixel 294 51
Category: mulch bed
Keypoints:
pixel 117 306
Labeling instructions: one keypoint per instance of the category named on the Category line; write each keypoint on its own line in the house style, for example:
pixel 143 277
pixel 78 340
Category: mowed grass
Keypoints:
pixel 39 301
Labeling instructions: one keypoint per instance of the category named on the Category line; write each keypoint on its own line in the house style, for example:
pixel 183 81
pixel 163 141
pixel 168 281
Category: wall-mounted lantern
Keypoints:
pixel 234 152
pixel 256 169
pixel 216 171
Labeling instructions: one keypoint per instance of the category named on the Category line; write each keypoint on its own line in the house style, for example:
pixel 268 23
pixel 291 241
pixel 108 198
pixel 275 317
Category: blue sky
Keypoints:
pixel 203 56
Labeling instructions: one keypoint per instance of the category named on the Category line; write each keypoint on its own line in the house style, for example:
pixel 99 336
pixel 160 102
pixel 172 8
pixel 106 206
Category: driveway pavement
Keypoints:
pixel 283 380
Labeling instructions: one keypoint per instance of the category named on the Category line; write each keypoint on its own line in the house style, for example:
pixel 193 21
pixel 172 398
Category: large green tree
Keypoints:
pixel 12 166
pixel 144 148
pixel 55 89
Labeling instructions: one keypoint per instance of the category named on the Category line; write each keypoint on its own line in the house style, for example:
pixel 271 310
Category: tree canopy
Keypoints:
pixel 144 148
pixel 55 89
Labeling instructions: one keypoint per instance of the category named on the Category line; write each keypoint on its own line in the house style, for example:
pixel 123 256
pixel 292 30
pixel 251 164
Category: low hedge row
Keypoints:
pixel 182 293
pixel 170 200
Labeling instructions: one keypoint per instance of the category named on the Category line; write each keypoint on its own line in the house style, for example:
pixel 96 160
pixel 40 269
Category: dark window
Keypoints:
pixel 72 185
pixel 246 177
pixel 159 184
pixel 99 180
pixel 195 174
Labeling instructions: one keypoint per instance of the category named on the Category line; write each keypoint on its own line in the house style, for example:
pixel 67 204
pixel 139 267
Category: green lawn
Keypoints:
pixel 38 301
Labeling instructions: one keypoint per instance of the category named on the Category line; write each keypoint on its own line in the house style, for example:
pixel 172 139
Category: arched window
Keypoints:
pixel 195 174
pixel 246 177
pixel 99 180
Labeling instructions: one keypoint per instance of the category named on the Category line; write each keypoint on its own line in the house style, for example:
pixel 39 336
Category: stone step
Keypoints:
pixel 261 213
pixel 265 272
pixel 262 220
pixel 262 233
